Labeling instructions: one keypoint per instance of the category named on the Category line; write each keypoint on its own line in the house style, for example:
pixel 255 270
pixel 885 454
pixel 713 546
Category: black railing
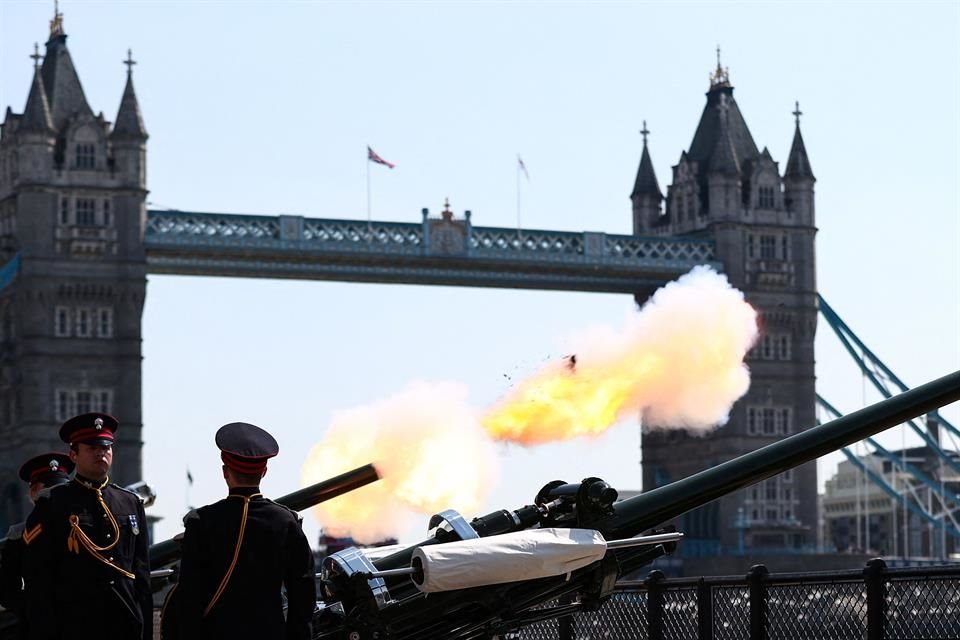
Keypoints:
pixel 875 603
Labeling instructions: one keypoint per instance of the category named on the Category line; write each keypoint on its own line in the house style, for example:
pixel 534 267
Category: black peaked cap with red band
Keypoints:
pixel 90 428
pixel 49 468
pixel 245 448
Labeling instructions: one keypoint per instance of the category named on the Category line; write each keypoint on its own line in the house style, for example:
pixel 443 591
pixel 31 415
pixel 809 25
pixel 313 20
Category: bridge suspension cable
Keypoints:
pixel 944 520
pixel 883 378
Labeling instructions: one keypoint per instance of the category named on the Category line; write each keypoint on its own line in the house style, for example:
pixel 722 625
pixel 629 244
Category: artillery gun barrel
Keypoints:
pixel 168 551
pixel 329 489
pixel 664 503
pixel 473 613
pixel 655 507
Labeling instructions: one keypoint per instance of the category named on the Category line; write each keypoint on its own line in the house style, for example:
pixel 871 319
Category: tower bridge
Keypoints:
pixel 444 251
pixel 75 226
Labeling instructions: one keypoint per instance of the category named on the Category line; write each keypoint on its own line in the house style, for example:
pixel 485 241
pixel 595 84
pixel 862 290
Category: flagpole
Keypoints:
pixel 368 191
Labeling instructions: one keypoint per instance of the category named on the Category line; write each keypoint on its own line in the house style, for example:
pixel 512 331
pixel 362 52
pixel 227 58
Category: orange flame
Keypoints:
pixel 678 362
pixel 417 440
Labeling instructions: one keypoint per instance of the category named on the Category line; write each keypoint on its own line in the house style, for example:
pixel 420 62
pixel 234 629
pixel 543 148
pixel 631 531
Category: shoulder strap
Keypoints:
pixel 236 553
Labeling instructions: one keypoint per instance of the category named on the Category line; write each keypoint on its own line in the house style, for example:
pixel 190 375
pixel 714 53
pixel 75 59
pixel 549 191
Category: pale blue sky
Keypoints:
pixel 268 107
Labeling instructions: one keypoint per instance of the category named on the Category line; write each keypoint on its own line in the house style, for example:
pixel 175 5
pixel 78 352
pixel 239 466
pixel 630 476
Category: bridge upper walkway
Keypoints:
pixel 443 251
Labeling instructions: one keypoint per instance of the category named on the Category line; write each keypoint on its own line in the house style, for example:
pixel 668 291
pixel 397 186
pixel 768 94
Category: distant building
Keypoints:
pixel 72 211
pixel 762 221
pixel 859 516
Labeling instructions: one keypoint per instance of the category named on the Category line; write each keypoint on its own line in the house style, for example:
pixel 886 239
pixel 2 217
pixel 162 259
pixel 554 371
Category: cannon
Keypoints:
pixel 370 597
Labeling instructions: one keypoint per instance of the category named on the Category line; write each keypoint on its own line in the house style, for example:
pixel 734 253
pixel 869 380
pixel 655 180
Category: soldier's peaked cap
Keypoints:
pixel 49 468
pixel 89 428
pixel 245 448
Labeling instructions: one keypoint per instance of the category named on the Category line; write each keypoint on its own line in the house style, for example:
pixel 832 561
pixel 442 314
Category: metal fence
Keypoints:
pixel 875 603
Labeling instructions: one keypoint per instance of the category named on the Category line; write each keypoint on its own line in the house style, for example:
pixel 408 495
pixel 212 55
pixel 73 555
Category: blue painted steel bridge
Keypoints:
pixel 439 250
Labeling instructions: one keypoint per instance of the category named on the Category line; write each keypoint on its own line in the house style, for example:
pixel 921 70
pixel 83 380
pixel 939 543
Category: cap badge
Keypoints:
pixel 54 465
pixel 98 423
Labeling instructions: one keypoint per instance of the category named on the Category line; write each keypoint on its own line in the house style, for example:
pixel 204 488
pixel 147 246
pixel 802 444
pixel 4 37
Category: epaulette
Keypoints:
pixel 125 490
pixel 15 532
pixel 46 492
pixel 283 506
pixel 193 514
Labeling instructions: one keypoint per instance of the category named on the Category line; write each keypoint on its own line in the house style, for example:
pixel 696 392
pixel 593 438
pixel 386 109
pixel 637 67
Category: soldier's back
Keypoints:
pixel 249 604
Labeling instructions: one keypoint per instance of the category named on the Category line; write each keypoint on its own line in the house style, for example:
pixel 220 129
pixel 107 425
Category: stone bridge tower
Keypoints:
pixel 762 223
pixel 72 215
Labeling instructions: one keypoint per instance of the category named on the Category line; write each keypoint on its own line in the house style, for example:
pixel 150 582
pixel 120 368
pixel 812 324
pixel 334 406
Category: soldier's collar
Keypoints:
pixel 244 492
pixel 91 484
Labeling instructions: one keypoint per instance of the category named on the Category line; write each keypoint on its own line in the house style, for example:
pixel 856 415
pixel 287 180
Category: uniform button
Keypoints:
pixel 110 558
pixel 111 582
pixel 108 535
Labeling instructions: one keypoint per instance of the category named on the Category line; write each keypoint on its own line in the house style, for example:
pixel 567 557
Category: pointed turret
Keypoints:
pixel 129 136
pixel 721 112
pixel 60 80
pixel 646 195
pixel 36 136
pixel 798 164
pixel 36 115
pixel 723 158
pixel 798 178
pixel 129 123
pixel 646 182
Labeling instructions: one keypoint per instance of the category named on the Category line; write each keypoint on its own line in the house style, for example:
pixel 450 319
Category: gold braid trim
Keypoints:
pixel 236 552
pixel 78 537
pixel 166 601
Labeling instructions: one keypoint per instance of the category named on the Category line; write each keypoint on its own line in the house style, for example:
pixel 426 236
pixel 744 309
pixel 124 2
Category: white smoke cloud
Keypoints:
pixel 429 448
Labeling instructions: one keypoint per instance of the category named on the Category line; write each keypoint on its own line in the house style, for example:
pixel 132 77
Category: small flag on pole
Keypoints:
pixel 373 157
pixel 189 477
pixel 523 167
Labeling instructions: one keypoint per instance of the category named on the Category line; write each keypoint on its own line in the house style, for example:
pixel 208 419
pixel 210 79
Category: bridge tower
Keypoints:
pixel 762 223
pixel 72 215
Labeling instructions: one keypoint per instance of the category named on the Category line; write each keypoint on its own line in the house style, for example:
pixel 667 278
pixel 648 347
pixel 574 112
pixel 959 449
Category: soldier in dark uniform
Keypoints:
pixel 238 552
pixel 86 567
pixel 40 473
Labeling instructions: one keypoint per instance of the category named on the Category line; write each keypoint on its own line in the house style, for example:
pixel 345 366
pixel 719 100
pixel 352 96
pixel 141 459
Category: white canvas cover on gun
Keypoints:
pixel 511 557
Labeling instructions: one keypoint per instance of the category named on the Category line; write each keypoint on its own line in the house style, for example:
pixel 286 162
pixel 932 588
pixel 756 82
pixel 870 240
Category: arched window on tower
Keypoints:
pixel 86 156
pixel 85 143
pixel 765 197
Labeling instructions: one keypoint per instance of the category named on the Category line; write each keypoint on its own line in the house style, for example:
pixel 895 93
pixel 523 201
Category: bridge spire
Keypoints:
pixel 719 77
pixel 36 114
pixel 129 62
pixel 798 164
pixel 36 57
pixel 129 122
pixel 56 23
pixel 646 182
